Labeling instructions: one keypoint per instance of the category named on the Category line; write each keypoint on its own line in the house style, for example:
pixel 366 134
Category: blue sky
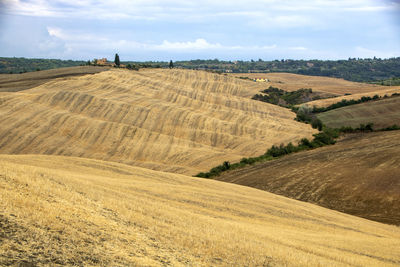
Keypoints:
pixel 188 29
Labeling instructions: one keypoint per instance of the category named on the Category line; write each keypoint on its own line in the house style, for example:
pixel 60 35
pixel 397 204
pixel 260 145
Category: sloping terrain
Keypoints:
pixel 329 101
pixel 330 86
pixel 172 120
pixel 23 81
pixel 58 210
pixel 359 175
pixel 382 114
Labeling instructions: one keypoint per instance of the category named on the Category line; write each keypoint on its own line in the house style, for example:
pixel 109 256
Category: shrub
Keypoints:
pixel 391 128
pixel 316 124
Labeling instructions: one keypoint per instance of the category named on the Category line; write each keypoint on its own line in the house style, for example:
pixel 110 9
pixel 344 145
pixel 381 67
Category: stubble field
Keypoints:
pixel 358 175
pixel 171 120
pixel 75 211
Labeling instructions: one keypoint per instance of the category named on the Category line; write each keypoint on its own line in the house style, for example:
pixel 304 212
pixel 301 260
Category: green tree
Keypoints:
pixel 171 64
pixel 316 124
pixel 116 61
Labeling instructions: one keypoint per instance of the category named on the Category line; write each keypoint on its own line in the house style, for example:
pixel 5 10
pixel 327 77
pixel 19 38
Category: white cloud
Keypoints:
pixel 187 10
pixel 300 48
pixel 76 39
pixel 56 32
pixel 198 44
pixel 77 42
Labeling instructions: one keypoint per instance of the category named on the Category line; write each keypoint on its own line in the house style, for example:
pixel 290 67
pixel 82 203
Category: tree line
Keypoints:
pixel 375 70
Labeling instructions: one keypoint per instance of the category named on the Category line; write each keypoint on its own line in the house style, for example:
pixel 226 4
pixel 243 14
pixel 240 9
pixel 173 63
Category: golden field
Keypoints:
pixel 178 121
pixel 329 101
pixel 358 175
pixel 23 81
pixel 59 210
pixel 382 114
pixel 329 86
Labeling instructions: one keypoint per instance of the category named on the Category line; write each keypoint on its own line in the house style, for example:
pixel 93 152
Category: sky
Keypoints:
pixel 160 30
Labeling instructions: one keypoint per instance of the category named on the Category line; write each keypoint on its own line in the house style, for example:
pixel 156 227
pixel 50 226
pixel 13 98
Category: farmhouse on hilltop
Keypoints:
pixel 105 62
pixel 260 80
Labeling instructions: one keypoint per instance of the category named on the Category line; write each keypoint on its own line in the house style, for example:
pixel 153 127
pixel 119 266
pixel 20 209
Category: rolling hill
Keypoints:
pixel 23 81
pixel 179 121
pixel 57 210
pixel 382 114
pixel 359 175
pixel 330 86
pixel 329 101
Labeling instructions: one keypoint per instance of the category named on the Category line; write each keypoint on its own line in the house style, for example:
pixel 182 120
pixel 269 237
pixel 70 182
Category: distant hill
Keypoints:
pixel 381 91
pixel 376 70
pixel 358 175
pixel 20 65
pixel 358 70
pixel 382 113
pixel 23 81
pixel 328 86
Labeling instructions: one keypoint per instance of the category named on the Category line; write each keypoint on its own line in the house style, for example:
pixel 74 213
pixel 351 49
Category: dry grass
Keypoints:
pixel 172 120
pixel 23 81
pixel 382 114
pixel 358 175
pixel 330 86
pixel 73 211
pixel 327 102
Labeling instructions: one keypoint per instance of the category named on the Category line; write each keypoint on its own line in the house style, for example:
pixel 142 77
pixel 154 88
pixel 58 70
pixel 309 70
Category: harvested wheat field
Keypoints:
pixel 329 101
pixel 328 85
pixel 171 120
pixel 359 175
pixel 75 211
pixel 23 81
pixel 382 113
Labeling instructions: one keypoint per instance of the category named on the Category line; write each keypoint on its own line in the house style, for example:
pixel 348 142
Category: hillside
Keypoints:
pixel 359 175
pixel 23 81
pixel 329 86
pixel 382 114
pixel 171 120
pixel 329 101
pixel 10 65
pixel 75 211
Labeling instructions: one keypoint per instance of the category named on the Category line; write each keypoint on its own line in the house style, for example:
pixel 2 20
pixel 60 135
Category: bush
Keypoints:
pixel 316 124
pixel 327 137
pixel 305 143
pixel 391 128
pixel 304 114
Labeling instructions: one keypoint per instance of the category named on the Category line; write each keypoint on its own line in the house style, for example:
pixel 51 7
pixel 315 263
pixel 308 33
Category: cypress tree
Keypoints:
pixel 116 61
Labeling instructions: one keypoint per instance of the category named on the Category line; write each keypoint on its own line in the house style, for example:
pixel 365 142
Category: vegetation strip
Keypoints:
pixel 328 136
pixel 350 102
pixel 372 70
